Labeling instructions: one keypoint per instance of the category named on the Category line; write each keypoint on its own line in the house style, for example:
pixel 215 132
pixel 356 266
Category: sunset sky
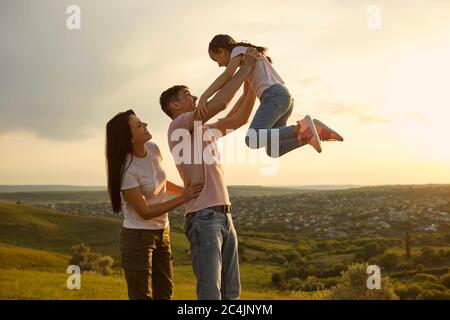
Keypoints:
pixel 386 91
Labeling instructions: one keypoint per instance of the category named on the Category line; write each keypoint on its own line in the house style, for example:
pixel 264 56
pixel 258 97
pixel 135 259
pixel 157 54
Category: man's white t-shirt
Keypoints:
pixel 263 76
pixel 148 174
pixel 214 192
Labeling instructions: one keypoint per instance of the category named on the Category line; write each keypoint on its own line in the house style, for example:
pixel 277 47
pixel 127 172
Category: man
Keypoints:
pixel 208 221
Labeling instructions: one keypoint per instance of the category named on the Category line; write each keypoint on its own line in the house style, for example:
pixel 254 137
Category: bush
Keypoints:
pixel 88 261
pixel 373 249
pixel 354 286
pixel 405 266
pixel 291 273
pixel 312 284
pixel 294 284
pixel 300 261
pixel 425 277
pixel 434 295
pixel 430 256
pixel 432 286
pixel 291 256
pixel 408 292
pixel 277 258
pixel 276 279
pixel 302 273
pixel 420 267
pixel 389 261
pixel 104 265
pixel 445 280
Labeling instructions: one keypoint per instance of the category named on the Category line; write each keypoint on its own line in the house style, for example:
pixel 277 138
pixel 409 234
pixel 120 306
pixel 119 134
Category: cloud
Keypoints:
pixel 65 85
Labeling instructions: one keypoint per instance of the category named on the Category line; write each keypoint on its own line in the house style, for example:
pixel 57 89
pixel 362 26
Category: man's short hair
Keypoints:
pixel 168 96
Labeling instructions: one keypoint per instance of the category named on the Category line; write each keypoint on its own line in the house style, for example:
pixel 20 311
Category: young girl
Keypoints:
pixel 268 127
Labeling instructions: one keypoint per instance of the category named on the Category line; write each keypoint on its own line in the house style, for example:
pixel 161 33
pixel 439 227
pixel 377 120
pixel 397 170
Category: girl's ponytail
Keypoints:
pixel 224 41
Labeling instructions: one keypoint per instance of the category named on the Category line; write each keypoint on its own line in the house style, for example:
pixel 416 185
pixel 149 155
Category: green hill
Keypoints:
pixel 35 251
pixel 13 257
pixel 55 231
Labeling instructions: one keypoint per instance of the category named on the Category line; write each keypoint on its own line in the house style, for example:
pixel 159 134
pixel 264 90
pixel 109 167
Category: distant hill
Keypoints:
pixel 13 257
pixel 47 188
pixel 55 231
pixel 232 188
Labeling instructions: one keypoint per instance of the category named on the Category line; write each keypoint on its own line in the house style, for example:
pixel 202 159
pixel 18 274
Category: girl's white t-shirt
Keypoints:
pixel 263 76
pixel 148 174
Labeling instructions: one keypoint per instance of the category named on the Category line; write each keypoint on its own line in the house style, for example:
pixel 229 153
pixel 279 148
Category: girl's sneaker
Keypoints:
pixel 326 133
pixel 307 133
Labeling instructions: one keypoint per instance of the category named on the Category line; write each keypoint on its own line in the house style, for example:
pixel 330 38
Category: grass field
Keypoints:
pixel 54 231
pixel 40 285
pixel 34 255
pixel 34 274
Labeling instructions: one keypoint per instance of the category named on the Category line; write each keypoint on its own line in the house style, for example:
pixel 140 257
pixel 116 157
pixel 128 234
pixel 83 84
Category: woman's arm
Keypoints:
pixel 174 189
pixel 137 200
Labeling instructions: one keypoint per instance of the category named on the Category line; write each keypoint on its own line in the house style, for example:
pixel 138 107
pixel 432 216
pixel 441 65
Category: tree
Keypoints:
pixel 80 256
pixel 88 261
pixel 445 280
pixel 430 256
pixel 408 292
pixel 276 279
pixel 104 265
pixel 389 261
pixel 408 247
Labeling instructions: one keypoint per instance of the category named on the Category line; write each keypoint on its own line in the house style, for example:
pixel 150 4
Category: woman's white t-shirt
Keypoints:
pixel 148 174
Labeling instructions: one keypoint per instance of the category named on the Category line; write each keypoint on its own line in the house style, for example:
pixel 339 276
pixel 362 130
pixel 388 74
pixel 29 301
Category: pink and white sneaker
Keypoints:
pixel 307 133
pixel 326 133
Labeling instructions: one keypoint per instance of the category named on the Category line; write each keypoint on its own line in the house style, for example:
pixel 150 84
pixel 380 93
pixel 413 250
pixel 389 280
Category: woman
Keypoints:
pixel 137 186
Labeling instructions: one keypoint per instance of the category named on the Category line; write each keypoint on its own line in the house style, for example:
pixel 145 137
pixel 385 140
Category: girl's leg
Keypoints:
pixel 268 128
pixel 281 122
pixel 275 103
pixel 290 143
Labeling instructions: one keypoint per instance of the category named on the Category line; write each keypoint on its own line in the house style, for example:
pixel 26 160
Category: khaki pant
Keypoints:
pixel 147 262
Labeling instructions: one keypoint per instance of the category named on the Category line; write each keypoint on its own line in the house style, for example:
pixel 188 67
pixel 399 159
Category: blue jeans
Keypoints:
pixel 268 128
pixel 214 250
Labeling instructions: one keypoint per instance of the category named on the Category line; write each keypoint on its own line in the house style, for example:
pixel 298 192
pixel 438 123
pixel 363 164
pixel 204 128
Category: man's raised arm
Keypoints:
pixel 238 116
pixel 220 101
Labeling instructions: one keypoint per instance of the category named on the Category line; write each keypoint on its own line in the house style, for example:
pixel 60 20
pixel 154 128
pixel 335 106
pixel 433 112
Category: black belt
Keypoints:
pixel 225 208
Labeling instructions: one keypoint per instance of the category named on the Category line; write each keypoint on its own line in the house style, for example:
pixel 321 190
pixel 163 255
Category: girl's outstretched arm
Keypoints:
pixel 220 81
pixel 241 99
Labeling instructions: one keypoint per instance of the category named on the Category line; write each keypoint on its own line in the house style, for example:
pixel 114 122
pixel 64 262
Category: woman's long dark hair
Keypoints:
pixel 118 146
pixel 224 41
